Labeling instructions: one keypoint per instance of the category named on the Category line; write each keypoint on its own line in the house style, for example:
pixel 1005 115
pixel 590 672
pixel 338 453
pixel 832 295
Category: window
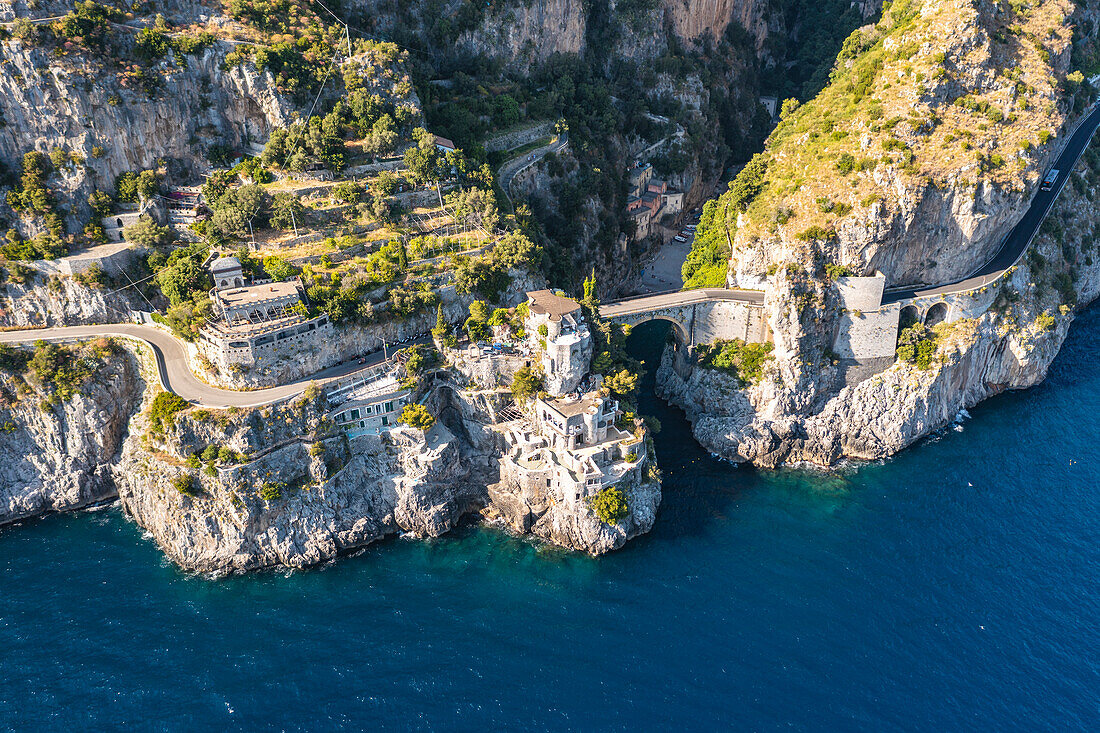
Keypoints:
pixel 355 414
pixel 548 483
pixel 389 407
pixel 385 420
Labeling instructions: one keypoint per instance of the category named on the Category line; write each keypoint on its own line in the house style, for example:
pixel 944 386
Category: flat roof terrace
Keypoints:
pixel 256 294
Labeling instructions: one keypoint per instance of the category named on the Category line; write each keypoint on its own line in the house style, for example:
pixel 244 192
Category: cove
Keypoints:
pixel 952 588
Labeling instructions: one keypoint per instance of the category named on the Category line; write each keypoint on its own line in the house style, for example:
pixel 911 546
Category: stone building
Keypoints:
pixel 572 449
pixel 266 320
pixel 370 402
pixel 557 327
pixel 650 200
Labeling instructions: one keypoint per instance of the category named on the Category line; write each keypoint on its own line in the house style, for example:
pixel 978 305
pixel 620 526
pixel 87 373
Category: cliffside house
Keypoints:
pixel 650 200
pixel 263 320
pixel 443 144
pixel 557 329
pixel 572 449
pixel 370 402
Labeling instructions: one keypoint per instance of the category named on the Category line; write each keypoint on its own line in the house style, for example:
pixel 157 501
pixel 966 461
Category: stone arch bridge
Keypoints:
pixel 699 316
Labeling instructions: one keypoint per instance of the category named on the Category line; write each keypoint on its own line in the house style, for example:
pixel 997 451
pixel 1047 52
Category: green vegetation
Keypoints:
pixel 186 484
pixel 272 490
pixel 743 360
pixel 163 409
pixel 420 359
pixel 917 345
pixel 610 505
pixel 526 383
pixel 708 261
pixel 14 360
pixel 65 370
pixel 416 416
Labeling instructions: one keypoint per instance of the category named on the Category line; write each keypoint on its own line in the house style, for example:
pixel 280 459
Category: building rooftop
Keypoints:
pixel 250 294
pixel 569 407
pixel 225 263
pixel 444 142
pixel 546 303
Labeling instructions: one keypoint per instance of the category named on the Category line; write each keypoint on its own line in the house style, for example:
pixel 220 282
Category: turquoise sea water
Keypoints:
pixel 956 587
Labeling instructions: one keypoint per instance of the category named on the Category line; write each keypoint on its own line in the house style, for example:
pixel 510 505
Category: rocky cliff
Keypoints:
pixel 80 105
pixel 55 455
pixel 912 227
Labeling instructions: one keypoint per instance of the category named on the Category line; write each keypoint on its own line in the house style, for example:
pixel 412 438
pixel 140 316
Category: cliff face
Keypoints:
pixel 292 508
pixel 1019 325
pixel 57 457
pixel 70 102
pixel 915 161
pixel 62 301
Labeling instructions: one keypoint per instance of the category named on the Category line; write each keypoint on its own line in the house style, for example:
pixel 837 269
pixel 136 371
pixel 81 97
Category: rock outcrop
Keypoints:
pixel 56 456
pixel 914 162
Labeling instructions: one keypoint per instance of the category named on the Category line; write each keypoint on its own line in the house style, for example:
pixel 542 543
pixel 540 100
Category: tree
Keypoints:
pixel 477 325
pixel 423 160
pixel 477 206
pixel 184 274
pixel 623 382
pixel 101 202
pixel 749 182
pixel 525 383
pixel 147 233
pixel 789 107
pixel 610 505
pixel 442 331
pixel 278 268
pixel 384 185
pixel 416 416
pixel 286 211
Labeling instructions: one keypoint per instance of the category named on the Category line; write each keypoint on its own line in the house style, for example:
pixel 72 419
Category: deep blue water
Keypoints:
pixel 953 588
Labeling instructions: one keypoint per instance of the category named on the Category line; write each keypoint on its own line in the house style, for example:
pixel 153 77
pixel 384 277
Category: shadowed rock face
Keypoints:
pixel 57 458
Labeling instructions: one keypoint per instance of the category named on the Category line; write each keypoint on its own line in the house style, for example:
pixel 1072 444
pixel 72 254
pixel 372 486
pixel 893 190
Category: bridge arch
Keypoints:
pixel 682 335
pixel 908 316
pixel 936 314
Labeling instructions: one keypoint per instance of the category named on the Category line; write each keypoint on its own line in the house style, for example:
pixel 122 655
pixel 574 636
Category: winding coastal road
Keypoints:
pixel 175 376
pixel 512 168
pixel 1017 241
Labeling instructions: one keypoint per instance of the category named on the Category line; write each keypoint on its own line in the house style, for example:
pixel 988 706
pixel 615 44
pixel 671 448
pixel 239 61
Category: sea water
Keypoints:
pixel 955 587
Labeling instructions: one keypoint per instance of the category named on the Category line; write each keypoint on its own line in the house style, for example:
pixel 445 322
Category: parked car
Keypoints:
pixel 680 239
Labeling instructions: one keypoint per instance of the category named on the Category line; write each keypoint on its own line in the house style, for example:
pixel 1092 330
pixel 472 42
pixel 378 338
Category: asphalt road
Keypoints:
pixel 512 168
pixel 1017 241
pixel 175 376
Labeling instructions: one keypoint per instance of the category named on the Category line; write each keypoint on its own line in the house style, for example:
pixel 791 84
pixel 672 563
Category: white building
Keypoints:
pixel 370 403
pixel 557 328
pixel 267 320
pixel 573 449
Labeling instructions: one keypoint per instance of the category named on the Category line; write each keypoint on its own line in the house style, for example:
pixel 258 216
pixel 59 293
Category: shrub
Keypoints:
pixel 610 505
pixel 417 416
pixel 1045 322
pixel 163 409
pixel 917 345
pixel 272 490
pixel 186 484
pixel 743 360
pixel 833 271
